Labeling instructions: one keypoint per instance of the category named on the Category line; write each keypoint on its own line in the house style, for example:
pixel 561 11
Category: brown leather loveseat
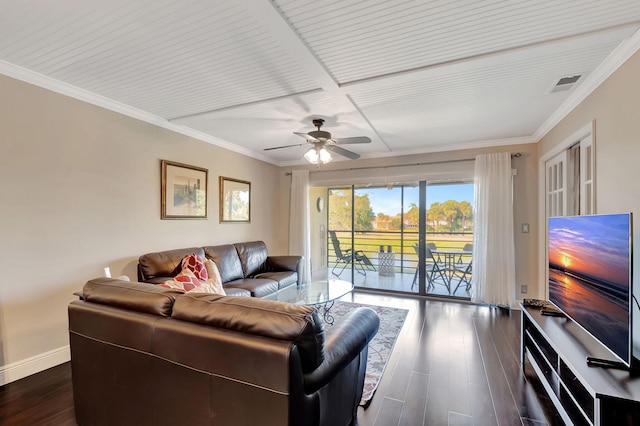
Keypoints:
pixel 148 355
pixel 245 268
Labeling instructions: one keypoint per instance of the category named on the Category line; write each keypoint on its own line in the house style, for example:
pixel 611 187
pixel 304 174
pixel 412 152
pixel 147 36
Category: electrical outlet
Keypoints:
pixel 523 289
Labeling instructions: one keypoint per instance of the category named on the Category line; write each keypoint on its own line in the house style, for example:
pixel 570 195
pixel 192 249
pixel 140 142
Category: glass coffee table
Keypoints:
pixel 319 294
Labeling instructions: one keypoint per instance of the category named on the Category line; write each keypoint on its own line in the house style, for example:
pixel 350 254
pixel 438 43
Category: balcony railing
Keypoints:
pixel 401 243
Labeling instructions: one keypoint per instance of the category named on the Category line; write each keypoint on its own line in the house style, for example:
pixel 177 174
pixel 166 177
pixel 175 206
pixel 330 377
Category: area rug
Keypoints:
pixel 380 347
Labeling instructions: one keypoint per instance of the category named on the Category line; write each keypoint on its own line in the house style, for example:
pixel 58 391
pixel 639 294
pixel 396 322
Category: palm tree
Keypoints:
pixel 435 214
pixel 451 211
pixel 411 215
pixel 466 211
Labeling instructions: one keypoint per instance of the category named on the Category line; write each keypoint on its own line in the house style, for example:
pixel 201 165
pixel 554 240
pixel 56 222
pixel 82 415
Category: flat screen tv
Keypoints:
pixel 590 276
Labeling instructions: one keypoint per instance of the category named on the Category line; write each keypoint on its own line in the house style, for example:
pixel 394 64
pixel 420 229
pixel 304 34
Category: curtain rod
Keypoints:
pixel 515 155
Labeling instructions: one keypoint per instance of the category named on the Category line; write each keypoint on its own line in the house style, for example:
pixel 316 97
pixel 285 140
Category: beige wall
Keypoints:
pixel 615 107
pixel 80 190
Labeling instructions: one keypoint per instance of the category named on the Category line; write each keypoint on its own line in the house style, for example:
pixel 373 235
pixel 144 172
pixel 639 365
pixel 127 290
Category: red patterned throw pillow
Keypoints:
pixel 214 284
pixel 184 281
pixel 195 265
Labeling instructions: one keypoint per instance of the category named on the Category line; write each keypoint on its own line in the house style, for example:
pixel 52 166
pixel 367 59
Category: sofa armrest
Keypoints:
pixel 285 263
pixel 343 344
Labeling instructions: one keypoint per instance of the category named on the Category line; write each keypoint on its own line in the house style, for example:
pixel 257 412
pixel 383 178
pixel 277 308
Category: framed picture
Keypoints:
pixel 235 200
pixel 184 191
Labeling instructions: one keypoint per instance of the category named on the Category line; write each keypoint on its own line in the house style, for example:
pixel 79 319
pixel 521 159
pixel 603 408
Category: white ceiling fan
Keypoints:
pixel 322 143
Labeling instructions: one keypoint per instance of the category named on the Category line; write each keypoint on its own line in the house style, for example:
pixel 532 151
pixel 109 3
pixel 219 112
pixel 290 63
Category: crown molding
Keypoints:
pixel 615 59
pixel 487 143
pixel 57 86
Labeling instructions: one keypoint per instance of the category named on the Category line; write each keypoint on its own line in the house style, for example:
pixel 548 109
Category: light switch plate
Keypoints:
pixel 525 228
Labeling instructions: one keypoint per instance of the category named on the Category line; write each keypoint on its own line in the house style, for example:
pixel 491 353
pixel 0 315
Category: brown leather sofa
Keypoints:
pixel 246 268
pixel 147 355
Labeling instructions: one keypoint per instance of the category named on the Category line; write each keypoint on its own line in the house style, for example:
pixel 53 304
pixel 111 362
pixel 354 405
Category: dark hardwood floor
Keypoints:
pixel 453 364
pixel 45 398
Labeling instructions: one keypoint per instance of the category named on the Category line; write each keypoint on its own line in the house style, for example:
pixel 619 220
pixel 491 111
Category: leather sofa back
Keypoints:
pixel 227 260
pixel 253 257
pixel 268 318
pixel 160 266
pixel 149 299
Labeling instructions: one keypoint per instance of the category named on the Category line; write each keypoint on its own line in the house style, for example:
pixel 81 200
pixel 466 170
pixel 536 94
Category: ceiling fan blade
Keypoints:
pixel 342 151
pixel 355 139
pixel 285 146
pixel 306 136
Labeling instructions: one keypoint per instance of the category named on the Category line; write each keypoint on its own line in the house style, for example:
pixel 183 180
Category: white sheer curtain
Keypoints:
pixel 493 279
pixel 299 234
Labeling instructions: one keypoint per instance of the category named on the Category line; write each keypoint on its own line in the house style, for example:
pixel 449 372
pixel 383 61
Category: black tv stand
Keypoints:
pixel 606 363
pixel 562 356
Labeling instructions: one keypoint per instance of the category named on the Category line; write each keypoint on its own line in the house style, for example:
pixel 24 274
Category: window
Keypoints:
pixel 569 180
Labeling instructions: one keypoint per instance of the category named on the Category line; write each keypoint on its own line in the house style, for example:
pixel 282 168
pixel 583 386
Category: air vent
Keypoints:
pixel 565 83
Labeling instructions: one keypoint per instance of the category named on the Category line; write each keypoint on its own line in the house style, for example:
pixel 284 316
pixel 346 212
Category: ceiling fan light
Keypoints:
pixel 312 156
pixel 325 156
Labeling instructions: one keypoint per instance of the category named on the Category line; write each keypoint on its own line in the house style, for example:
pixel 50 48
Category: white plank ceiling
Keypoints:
pixel 414 76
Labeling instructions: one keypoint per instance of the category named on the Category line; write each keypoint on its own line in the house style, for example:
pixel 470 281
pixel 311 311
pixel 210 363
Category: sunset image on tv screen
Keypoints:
pixel 589 275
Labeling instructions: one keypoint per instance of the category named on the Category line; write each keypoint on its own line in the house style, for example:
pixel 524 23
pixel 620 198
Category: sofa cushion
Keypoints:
pixel 259 287
pixel 253 257
pixel 208 288
pixel 134 296
pixel 227 260
pixel 269 318
pixel 284 278
pixel 236 291
pixel 156 267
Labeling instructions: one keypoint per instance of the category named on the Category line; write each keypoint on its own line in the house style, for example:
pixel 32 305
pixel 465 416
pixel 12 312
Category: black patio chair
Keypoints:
pixel 346 256
pixel 432 269
pixel 465 269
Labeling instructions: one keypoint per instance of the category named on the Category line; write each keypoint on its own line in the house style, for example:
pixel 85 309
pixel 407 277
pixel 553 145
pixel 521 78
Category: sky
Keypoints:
pixel 388 201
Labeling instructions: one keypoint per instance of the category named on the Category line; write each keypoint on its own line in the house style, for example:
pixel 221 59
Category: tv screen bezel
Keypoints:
pixel 629 217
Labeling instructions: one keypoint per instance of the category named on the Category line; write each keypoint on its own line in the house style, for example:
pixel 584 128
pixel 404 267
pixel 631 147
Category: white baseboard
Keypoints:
pixel 26 367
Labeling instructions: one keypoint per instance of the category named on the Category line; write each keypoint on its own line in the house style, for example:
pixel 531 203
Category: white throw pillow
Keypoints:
pixel 214 284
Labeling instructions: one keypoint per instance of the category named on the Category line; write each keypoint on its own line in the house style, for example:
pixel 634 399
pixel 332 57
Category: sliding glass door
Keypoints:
pixel 448 239
pixel 379 236
pixel 340 232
